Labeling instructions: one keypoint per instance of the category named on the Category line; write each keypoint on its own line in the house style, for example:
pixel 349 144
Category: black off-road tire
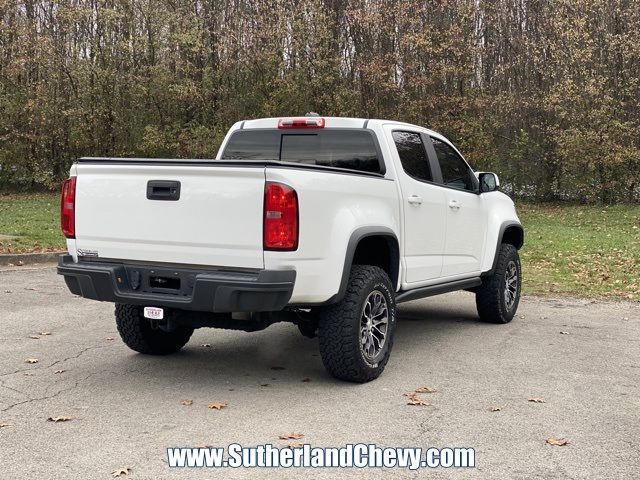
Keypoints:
pixel 136 332
pixel 490 296
pixel 339 327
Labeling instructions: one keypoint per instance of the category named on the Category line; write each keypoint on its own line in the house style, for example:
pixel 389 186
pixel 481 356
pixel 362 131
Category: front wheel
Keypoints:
pixel 139 335
pixel 498 297
pixel 356 334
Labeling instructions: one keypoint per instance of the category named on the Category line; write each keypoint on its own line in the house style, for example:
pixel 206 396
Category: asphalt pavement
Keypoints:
pixel 581 357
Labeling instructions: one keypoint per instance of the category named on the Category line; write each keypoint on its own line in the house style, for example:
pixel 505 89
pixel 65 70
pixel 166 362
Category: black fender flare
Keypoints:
pixel 354 240
pixel 503 228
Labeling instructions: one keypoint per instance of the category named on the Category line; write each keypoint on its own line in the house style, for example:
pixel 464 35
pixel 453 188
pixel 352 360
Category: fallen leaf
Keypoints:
pixel 8 291
pixel 30 288
pixel 264 385
pixel 31 360
pixel 121 472
pixel 186 403
pixel 417 402
pixel 564 333
pixel 58 419
pixel 425 390
pixel 109 338
pixel 206 345
pixel 413 399
pixel 495 409
pixel 306 379
pixel 28 374
pixel 291 436
pixel 295 445
pixel 2 425
pixel 217 405
pixel 34 337
pixel 59 371
pixel 559 442
pixel 278 368
pixel 44 334
pixel 536 400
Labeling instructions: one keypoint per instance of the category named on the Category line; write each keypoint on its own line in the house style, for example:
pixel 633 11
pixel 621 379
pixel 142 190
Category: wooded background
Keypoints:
pixel 543 92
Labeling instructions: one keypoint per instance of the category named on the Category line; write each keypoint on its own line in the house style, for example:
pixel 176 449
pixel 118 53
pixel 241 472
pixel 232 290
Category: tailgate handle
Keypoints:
pixel 163 190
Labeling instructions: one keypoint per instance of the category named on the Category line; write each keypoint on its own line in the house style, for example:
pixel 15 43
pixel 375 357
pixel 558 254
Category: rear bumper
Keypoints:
pixel 191 289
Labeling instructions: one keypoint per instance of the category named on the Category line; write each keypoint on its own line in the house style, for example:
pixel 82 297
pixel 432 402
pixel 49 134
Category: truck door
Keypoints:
pixel 423 206
pixel 465 211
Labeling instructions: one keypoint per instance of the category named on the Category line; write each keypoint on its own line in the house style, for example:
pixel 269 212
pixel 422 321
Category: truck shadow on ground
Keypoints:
pixel 280 355
pixel 425 312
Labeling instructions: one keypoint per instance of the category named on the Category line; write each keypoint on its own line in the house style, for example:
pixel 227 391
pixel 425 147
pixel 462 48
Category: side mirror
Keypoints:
pixel 488 182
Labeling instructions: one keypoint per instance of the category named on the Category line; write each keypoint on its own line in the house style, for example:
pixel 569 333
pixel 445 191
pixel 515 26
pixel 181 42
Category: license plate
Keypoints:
pixel 154 313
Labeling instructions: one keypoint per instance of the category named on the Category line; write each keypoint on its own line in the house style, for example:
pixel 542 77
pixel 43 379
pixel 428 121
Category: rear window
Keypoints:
pixel 348 149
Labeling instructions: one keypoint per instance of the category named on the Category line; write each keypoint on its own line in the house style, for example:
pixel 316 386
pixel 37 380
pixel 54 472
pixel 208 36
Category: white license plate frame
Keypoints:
pixel 154 313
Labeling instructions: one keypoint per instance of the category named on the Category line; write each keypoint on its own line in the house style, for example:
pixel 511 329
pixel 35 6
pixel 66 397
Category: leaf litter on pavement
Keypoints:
pixel 414 399
pixel 291 436
pixel 558 442
pixel 121 472
pixel 58 419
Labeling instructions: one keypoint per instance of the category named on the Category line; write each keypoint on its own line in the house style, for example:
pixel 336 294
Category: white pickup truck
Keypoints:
pixel 324 222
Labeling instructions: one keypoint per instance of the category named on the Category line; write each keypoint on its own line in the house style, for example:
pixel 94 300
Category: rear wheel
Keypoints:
pixel 356 334
pixel 498 297
pixel 138 333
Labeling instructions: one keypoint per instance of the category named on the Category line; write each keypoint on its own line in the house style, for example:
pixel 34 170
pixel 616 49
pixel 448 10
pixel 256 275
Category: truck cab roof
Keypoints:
pixel 329 122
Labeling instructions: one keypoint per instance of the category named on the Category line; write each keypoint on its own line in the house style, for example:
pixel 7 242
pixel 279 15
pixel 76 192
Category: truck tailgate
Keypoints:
pixel 216 221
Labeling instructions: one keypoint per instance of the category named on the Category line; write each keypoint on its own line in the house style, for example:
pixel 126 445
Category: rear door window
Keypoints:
pixel 412 155
pixel 346 149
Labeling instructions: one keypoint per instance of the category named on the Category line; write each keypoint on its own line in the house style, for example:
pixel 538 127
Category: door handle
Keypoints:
pixel 455 204
pixel 415 199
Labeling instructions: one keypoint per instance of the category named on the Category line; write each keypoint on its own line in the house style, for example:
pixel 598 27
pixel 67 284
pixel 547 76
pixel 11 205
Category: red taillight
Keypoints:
pixel 280 217
pixel 302 122
pixel 68 208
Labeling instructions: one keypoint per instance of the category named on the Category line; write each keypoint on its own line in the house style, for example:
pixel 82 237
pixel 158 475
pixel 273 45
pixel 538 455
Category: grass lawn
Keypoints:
pixel 585 251
pixel 30 223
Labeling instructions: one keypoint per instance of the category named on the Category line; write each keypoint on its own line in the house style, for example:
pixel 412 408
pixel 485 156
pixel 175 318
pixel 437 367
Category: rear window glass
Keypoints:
pixel 349 149
pixel 258 145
